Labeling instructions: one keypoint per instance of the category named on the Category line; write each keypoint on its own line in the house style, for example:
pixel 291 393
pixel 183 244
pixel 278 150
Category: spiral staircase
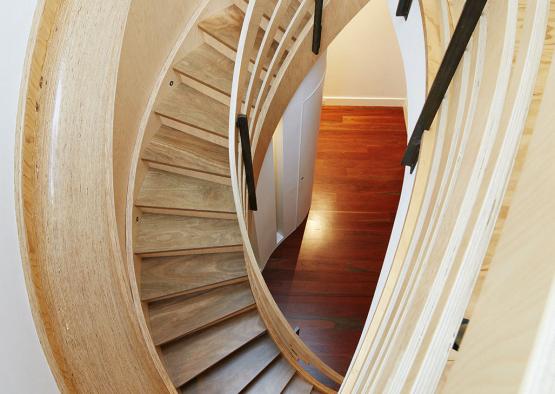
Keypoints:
pixel 135 227
pixel 193 279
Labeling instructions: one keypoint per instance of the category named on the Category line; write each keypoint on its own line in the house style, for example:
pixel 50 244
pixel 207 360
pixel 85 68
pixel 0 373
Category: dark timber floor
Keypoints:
pixel 324 275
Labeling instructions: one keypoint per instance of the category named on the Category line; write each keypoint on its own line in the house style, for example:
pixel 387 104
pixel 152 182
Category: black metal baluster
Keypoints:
pixel 317 34
pixel 243 126
pixel 403 8
pixel 463 32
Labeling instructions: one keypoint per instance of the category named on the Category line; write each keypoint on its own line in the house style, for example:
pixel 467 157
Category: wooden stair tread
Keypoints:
pixel 179 149
pixel 297 385
pixel 208 66
pixel 225 27
pixel 165 276
pixel 194 354
pixel 177 317
pixel 193 108
pixel 271 5
pixel 163 189
pixel 237 371
pixel 290 13
pixel 274 378
pixel 160 233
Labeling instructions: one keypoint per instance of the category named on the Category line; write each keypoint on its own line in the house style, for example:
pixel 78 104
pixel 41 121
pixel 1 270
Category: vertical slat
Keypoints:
pixel 403 8
pixel 276 21
pixel 243 126
pixel 245 50
pixel 287 37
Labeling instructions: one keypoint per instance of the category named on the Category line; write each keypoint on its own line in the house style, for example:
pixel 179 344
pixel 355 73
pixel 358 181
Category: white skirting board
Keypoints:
pixel 348 101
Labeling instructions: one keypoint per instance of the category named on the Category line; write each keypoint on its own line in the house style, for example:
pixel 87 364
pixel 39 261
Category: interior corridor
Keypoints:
pixel 324 275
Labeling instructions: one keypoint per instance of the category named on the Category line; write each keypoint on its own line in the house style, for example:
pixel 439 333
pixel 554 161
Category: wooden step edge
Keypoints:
pixel 180 384
pixel 188 212
pixel 263 364
pixel 205 326
pixel 192 172
pixel 290 379
pixel 199 289
pixel 228 51
pixel 276 376
pixel 206 88
pixel 297 385
pixel 188 252
pixel 185 74
pixel 162 115
pixel 213 36
pixel 195 132
pixel 242 5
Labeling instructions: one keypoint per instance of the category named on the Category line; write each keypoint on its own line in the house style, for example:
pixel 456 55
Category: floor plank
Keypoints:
pixel 324 275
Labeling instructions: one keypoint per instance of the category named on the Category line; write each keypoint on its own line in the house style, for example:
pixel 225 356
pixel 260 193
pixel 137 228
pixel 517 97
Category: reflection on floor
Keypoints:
pixel 323 276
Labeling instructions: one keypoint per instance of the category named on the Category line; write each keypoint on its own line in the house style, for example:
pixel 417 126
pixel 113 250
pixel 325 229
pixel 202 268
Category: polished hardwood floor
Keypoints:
pixel 324 275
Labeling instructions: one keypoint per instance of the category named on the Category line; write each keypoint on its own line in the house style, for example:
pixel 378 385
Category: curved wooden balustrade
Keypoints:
pixel 76 278
pixel 465 165
pixel 466 161
pixel 249 95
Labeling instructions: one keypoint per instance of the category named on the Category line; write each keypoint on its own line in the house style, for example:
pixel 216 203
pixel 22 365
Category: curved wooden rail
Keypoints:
pixel 468 157
pixel 273 79
pixel 77 281
pixel 292 348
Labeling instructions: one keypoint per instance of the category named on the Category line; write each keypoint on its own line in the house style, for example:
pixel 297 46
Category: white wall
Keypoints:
pixel 23 367
pixel 364 61
pixel 284 189
pixel 296 152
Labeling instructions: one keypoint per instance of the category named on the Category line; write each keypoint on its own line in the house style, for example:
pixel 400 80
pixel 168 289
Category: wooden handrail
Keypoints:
pixel 317 31
pixel 76 278
pixel 243 126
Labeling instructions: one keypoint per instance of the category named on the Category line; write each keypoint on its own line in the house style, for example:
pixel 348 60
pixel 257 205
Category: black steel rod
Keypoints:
pixel 317 34
pixel 459 41
pixel 243 126
pixel 403 8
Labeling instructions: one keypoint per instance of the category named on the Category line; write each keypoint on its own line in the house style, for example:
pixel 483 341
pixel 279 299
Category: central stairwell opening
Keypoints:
pixel 324 274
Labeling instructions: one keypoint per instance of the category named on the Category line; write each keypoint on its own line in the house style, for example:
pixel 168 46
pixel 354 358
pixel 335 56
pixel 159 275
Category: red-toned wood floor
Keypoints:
pixel 323 276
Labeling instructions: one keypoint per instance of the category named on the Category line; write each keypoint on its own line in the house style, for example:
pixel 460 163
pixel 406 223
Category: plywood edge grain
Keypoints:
pixel 47 189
